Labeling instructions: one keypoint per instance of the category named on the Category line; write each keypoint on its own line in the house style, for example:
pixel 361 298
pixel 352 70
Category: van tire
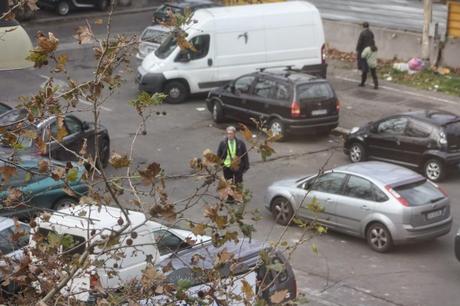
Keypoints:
pixel 217 112
pixel 176 92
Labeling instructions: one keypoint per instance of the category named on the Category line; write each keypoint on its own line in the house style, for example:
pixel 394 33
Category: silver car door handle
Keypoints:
pixel 364 207
pixel 329 200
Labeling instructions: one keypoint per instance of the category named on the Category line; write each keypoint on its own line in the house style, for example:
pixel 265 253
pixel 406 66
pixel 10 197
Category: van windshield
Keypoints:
pixel 167 47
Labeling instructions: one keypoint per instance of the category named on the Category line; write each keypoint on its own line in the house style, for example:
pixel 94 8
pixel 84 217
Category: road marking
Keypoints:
pixel 62 84
pixel 403 91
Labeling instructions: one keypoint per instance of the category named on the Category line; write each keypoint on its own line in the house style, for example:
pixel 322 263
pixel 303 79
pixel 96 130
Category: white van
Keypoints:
pixel 126 258
pixel 232 41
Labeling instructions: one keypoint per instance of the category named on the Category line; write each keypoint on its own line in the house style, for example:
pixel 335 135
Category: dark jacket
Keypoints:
pixel 366 39
pixel 241 152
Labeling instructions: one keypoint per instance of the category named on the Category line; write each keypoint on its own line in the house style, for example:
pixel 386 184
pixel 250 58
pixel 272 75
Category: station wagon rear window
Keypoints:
pixel 314 91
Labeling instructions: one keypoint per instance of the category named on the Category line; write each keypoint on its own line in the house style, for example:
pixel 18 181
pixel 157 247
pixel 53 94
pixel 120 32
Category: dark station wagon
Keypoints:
pixel 289 102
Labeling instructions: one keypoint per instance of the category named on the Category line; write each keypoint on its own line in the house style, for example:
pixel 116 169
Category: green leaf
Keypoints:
pixel 72 175
pixel 27 177
pixel 314 249
pixel 277 267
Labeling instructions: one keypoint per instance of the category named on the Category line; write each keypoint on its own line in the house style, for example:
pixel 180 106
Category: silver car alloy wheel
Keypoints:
pixel 379 238
pixel 174 92
pixel 356 153
pixel 283 210
pixel 276 128
pixel 433 170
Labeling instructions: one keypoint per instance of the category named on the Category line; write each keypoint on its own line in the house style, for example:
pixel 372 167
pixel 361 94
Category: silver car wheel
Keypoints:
pixel 282 211
pixel 356 153
pixel 433 170
pixel 379 238
pixel 174 93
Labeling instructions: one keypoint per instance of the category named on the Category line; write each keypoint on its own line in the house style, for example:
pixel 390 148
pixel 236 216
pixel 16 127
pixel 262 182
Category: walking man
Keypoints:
pixel 369 56
pixel 234 155
pixel 366 39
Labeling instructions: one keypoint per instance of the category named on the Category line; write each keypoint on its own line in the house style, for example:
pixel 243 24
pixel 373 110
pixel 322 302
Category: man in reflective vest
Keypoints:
pixel 232 151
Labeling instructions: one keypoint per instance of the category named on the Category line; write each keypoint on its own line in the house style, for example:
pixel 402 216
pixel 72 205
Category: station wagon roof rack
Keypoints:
pixel 288 67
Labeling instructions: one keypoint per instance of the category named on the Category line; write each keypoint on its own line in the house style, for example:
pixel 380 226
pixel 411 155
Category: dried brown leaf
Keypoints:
pixel 83 35
pixel 279 296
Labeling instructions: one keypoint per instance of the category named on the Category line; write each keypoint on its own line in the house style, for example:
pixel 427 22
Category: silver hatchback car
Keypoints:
pixel 384 203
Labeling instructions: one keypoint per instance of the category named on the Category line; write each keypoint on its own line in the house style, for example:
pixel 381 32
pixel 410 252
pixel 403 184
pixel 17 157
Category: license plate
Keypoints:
pixel 319 112
pixel 434 214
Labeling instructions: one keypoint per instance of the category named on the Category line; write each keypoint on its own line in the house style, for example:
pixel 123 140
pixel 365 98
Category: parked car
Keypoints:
pixel 425 140
pixel 76 131
pixel 248 267
pixel 153 240
pixel 457 245
pixel 180 7
pixel 150 39
pixel 231 41
pixel 384 203
pixel 4 108
pixel 38 191
pixel 64 7
pixel 291 102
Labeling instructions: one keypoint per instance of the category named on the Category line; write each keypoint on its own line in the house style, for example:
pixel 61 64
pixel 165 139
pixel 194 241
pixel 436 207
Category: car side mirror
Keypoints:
pixel 85 125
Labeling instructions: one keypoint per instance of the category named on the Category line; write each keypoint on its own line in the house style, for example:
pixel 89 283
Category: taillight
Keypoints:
pixel 295 109
pixel 397 196
pixel 323 53
pixel 93 280
pixel 337 105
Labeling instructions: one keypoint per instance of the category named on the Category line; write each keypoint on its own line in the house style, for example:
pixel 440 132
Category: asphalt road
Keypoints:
pixel 346 271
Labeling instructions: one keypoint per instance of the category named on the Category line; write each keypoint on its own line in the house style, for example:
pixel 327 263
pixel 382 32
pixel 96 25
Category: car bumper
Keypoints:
pixel 411 234
pixel 306 125
pixel 149 82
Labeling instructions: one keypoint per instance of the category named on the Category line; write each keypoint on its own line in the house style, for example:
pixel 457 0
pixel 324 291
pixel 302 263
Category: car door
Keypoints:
pixel 416 140
pixel 235 100
pixel 76 136
pixel 320 192
pixel 383 141
pixel 360 198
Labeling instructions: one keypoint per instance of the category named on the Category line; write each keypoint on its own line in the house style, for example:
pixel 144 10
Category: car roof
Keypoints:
pixel 296 77
pixel 384 173
pixel 82 217
pixel 437 117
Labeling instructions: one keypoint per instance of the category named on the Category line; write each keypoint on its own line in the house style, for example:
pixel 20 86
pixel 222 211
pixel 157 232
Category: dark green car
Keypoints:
pixel 24 190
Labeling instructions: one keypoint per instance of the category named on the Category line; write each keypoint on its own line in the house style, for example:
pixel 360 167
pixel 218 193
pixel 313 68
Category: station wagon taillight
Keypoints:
pixel 295 109
pixel 337 105
pixel 397 196
pixel 94 280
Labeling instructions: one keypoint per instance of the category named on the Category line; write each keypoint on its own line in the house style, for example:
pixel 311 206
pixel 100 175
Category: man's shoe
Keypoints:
pixel 376 87
pixel 361 85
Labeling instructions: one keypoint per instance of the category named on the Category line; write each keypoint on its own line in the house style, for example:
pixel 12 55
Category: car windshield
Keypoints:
pixel 154 36
pixel 314 91
pixel 420 193
pixel 167 47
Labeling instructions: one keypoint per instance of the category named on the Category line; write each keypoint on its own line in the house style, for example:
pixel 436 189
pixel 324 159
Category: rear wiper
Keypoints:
pixel 436 199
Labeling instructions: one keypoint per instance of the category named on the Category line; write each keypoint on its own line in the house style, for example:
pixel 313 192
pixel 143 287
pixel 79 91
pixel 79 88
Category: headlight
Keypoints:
pixel 354 130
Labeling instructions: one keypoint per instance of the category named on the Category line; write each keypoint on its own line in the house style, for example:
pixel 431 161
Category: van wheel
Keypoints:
pixel 63 8
pixel 282 210
pixel 64 203
pixel 177 92
pixel 357 153
pixel 379 238
pixel 217 112
pixel 277 128
pixel 434 169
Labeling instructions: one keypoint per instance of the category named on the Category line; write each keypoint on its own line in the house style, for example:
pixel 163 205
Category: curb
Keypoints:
pixel 340 131
pixel 89 16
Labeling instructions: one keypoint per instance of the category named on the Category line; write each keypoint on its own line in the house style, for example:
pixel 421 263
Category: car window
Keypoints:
pixel 282 92
pixel 264 88
pixel 330 183
pixel 167 242
pixel 73 125
pixel 14 238
pixel 419 193
pixel 201 45
pixel 70 244
pixel 314 91
pixel 393 126
pixel 53 129
pixel 359 188
pixel 419 129
pixel 243 84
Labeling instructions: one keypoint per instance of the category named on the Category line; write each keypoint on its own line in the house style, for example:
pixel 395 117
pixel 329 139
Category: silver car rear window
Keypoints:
pixel 420 193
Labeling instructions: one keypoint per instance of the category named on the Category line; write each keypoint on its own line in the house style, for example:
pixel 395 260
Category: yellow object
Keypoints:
pixel 453 19
pixel 15 45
